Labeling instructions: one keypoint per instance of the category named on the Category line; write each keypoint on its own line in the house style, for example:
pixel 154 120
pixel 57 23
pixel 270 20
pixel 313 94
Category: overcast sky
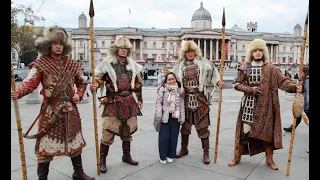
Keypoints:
pixel 277 16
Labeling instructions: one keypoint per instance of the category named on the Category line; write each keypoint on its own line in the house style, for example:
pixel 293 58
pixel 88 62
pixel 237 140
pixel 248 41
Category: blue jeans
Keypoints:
pixel 168 138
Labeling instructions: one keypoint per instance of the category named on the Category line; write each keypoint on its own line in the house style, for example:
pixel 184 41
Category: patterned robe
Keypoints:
pixel 123 94
pixel 266 125
pixel 57 78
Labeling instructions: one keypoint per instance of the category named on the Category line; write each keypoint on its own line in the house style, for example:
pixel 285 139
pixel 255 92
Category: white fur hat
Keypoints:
pixel 189 45
pixel 257 44
pixel 120 42
pixel 50 35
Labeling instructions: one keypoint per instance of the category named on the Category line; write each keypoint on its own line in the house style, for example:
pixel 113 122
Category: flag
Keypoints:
pixel 129 10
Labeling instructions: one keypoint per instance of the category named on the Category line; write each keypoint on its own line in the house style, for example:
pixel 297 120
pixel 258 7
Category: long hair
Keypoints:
pixel 163 83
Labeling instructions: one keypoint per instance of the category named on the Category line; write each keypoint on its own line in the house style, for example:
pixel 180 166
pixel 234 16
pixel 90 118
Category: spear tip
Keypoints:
pixel 91 9
pixel 223 18
pixel 306 22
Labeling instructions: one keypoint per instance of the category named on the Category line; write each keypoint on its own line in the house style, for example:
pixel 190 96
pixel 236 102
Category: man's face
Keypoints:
pixel 122 52
pixel 190 54
pixel 257 54
pixel 57 48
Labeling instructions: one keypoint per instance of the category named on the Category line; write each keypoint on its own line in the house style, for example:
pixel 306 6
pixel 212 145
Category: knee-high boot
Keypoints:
pixel 269 158
pixel 237 156
pixel 126 153
pixel 205 147
pixel 184 145
pixel 43 171
pixel 104 149
pixel 78 173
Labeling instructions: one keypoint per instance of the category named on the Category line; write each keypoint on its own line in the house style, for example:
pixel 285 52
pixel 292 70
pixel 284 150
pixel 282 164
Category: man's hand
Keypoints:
pixel 14 95
pixel 221 85
pixel 299 89
pixel 92 87
pixel 76 98
pixel 256 91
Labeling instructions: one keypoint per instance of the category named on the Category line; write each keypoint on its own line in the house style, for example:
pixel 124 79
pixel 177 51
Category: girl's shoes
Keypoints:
pixel 163 161
pixel 169 160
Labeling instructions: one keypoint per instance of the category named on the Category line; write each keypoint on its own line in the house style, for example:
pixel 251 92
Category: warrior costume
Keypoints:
pixel 198 78
pixel 121 104
pixel 59 128
pixel 258 127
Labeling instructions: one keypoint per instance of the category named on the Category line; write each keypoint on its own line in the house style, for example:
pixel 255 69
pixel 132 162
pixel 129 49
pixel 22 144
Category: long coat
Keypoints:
pixel 267 120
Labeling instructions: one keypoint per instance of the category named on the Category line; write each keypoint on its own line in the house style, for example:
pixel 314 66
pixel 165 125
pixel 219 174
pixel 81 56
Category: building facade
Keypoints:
pixel 157 48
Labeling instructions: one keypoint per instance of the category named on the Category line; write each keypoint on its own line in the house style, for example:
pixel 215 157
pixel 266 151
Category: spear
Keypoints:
pixel 221 79
pixel 17 113
pixel 91 14
pixel 297 107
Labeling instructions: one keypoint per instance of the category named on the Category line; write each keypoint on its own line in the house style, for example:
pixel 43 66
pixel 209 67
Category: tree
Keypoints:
pixel 22 35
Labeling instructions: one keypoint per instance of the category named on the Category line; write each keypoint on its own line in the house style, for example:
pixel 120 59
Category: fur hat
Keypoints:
pixel 189 45
pixel 48 36
pixel 257 44
pixel 121 42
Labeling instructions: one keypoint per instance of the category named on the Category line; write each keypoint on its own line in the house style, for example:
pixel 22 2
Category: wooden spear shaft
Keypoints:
pixel 299 83
pixel 18 119
pixel 221 79
pixel 91 13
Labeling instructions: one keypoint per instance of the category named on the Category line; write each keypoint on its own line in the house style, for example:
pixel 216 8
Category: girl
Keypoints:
pixel 170 113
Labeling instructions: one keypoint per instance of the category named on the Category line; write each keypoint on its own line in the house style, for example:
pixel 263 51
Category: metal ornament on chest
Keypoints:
pixel 123 75
pixel 191 83
pixel 255 75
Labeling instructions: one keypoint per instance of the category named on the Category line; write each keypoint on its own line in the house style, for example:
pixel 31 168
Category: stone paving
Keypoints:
pixel 145 148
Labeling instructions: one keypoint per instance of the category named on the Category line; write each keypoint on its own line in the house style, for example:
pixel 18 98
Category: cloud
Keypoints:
pixel 272 15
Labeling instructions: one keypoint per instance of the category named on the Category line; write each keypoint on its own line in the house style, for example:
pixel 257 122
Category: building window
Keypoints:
pixel 236 49
pixel 163 56
pixel 154 56
pixel 163 45
pixel 145 56
pixel 243 58
pixel 283 59
pixel 290 49
pixel 231 57
pixel 81 57
pixel 154 44
pixel 112 42
pixel 81 42
pixel 179 45
pixel 103 44
pixel 145 45
pixel 244 47
pixel 230 46
pixel 284 49
pixel 137 56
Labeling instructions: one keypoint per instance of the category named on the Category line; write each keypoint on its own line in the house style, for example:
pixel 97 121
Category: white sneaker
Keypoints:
pixel 169 160
pixel 163 162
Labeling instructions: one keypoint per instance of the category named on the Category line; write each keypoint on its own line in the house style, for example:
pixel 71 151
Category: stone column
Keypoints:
pixel 294 54
pixel 34 97
pixel 167 49
pixel 271 54
pixel 141 57
pixel 217 48
pixel 229 49
pixel 134 49
pixel 199 43
pixel 299 53
pixel 205 48
pixel 277 53
pixel 234 51
pixel 210 49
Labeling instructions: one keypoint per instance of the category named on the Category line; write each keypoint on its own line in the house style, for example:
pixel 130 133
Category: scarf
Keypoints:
pixel 173 100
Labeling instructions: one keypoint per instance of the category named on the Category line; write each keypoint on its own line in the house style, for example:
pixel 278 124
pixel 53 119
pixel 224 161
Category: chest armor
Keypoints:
pixel 191 85
pixel 123 76
pixel 254 78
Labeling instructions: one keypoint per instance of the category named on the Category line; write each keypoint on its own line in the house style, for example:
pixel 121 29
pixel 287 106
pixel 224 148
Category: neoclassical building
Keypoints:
pixel 156 48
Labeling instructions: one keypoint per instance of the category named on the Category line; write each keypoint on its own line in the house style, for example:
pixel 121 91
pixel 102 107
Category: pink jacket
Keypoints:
pixel 162 106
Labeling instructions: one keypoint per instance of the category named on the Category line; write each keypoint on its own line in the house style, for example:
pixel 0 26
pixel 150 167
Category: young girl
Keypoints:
pixel 170 113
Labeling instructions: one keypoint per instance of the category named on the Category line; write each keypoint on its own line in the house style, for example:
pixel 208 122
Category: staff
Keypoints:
pixel 17 113
pixel 91 14
pixel 221 79
pixel 297 107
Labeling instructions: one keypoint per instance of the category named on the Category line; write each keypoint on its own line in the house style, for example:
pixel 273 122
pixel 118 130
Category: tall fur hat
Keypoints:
pixel 48 36
pixel 257 44
pixel 120 42
pixel 189 45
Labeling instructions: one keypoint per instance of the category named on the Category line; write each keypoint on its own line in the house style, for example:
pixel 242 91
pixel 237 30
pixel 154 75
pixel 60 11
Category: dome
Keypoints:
pixel 297 26
pixel 82 16
pixel 201 14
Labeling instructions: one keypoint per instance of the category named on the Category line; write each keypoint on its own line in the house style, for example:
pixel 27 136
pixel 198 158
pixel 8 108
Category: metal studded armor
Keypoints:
pixel 191 85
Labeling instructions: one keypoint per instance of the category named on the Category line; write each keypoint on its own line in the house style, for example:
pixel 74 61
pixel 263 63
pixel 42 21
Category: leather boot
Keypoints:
pixel 184 146
pixel 104 149
pixel 205 147
pixel 78 173
pixel 269 158
pixel 126 153
pixel 237 157
pixel 43 171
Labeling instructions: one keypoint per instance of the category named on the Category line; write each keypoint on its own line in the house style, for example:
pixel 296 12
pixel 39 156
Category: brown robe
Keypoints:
pixel 266 125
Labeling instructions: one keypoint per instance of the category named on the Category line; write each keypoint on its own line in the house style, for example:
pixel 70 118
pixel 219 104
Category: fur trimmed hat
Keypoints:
pixel 189 45
pixel 120 42
pixel 257 44
pixel 48 36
